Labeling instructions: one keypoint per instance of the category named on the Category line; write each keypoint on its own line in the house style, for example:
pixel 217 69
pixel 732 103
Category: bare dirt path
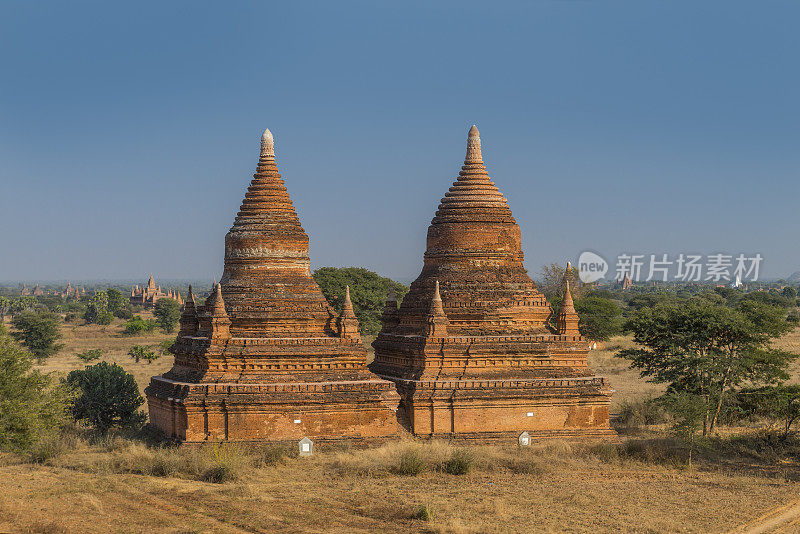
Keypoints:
pixel 782 519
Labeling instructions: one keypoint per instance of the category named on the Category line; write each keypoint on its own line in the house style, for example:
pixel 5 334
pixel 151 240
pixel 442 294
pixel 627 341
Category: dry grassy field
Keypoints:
pixel 642 485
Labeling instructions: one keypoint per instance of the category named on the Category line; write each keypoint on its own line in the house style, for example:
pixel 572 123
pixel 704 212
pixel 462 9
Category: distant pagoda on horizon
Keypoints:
pixel 266 358
pixel 148 295
pixel 471 349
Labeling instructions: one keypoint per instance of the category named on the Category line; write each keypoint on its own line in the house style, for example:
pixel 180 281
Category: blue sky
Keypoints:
pixel 129 131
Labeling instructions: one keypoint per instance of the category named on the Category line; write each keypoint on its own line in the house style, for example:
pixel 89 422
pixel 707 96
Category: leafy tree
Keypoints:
pixel 166 346
pixel 117 303
pixel 368 293
pixel 5 307
pixel 30 406
pixel 136 325
pixel 97 311
pixel 90 355
pixel 21 304
pixel 789 292
pixel 107 396
pixel 707 349
pixel 38 331
pixel 600 318
pixel 167 312
pixel 551 283
pixel 140 352
pixel 780 403
pixel 793 317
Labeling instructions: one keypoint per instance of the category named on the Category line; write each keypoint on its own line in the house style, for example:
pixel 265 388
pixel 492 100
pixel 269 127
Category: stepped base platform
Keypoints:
pixel 499 410
pixel 274 412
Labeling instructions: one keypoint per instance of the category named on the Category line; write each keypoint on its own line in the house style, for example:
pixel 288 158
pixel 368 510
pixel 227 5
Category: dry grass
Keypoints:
pixel 109 339
pixel 123 486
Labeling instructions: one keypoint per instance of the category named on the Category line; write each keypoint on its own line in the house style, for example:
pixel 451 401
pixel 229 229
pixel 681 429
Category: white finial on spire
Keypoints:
pixel 267 144
pixel 474 146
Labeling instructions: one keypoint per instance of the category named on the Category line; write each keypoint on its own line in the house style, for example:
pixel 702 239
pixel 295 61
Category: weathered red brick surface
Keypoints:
pixel 265 357
pixel 470 348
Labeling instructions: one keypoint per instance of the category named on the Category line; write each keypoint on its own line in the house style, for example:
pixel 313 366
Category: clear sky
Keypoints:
pixel 129 131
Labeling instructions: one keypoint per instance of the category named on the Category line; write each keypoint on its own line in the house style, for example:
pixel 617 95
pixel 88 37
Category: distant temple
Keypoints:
pixel 150 294
pixel 475 350
pixel 37 291
pixel 25 291
pixel 625 283
pixel 75 293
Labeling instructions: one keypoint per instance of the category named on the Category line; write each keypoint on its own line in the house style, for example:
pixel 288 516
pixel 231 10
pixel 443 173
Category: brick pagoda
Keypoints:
pixel 266 357
pixel 472 349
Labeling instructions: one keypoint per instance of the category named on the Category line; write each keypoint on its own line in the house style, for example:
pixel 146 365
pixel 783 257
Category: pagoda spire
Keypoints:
pixel 390 317
pixel 436 320
pixel 567 320
pixel 188 321
pixel 474 146
pixel 215 323
pixel 267 145
pixel 348 324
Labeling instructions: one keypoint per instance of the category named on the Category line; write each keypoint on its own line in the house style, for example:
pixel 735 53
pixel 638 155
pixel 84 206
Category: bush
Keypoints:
pixel 635 414
pixel 411 463
pixel 90 355
pixel 167 312
pixel 46 448
pixel 423 512
pixel 793 317
pixel 460 462
pixel 38 331
pixel 30 407
pixel 136 325
pixel 139 352
pixel 107 397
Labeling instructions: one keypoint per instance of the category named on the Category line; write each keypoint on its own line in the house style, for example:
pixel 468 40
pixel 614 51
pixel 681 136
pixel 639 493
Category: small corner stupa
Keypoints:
pixel 265 357
pixel 474 349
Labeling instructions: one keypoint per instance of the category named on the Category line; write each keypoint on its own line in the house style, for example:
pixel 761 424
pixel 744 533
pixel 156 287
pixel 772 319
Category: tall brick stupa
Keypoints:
pixel 472 349
pixel 265 358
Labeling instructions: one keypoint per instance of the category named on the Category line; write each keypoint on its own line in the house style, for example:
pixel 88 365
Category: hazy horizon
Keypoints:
pixel 129 133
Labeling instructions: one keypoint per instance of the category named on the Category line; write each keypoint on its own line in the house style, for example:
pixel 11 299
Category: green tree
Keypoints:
pixel 30 406
pixel 779 403
pixel 117 303
pixel 789 292
pixel 90 355
pixel 107 396
pixel 167 312
pixel 21 304
pixel 707 349
pixel 97 311
pixel 140 352
pixel 136 325
pixel 38 331
pixel 600 318
pixel 368 292
pixel 5 307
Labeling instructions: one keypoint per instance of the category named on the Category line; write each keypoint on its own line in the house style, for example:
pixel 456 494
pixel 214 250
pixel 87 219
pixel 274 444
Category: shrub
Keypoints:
pixel 423 512
pixel 793 317
pixel 460 462
pixel 38 331
pixel 136 325
pixel 634 414
pixel 227 462
pixel 46 448
pixel 139 352
pixel 411 463
pixel 90 355
pixel 273 455
pixel 30 406
pixel 107 396
pixel 167 312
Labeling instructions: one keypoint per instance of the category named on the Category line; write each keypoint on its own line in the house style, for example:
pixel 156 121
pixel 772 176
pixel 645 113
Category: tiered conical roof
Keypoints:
pixel 474 250
pixel 267 281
